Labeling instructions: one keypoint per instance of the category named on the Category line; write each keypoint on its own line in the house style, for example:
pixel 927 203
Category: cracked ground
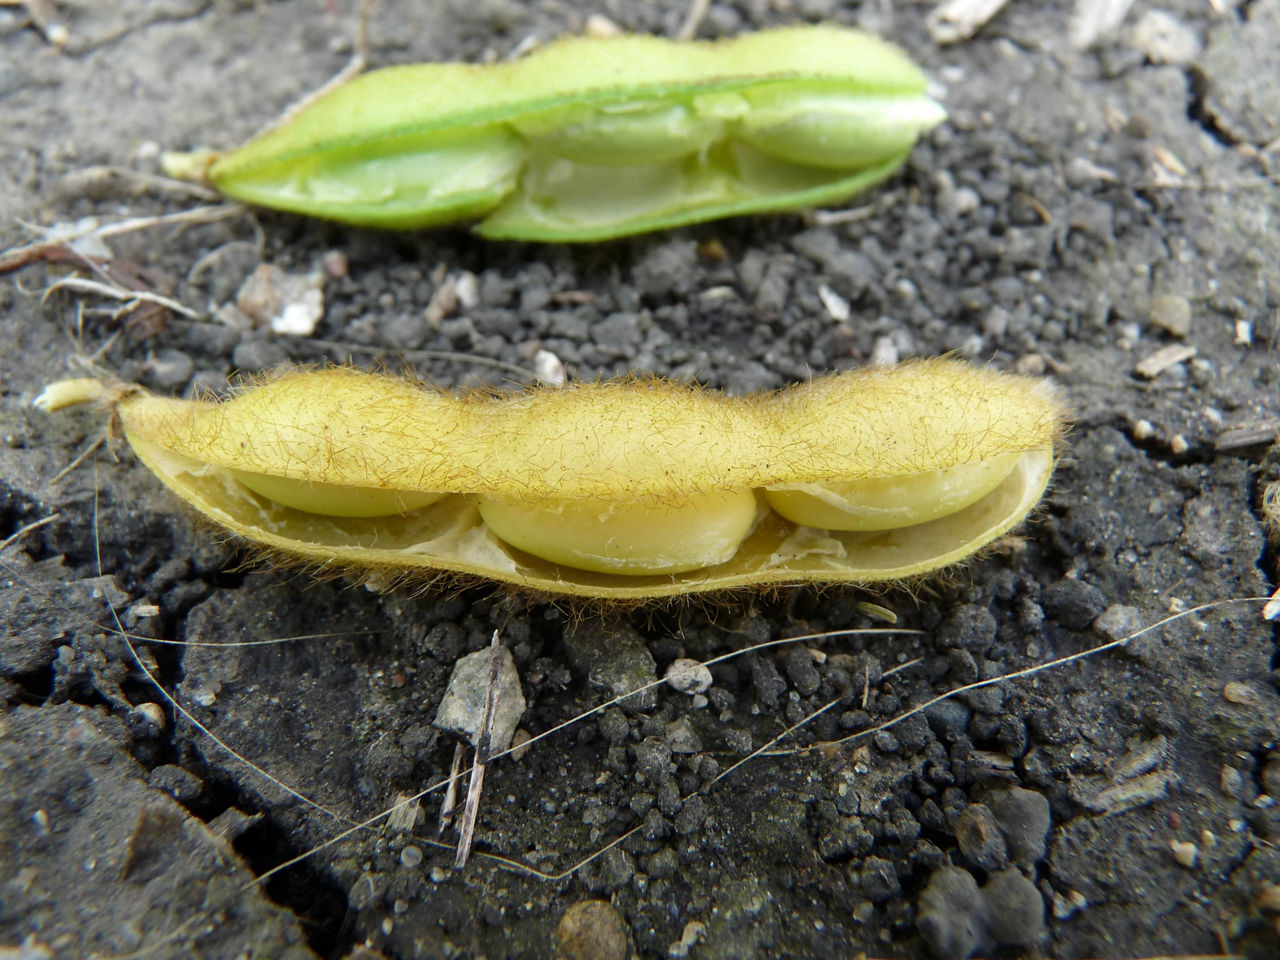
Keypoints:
pixel 1080 213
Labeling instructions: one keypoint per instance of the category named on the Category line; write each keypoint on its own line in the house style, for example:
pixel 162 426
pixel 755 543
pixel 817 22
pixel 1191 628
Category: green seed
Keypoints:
pixel 837 132
pixel 620 134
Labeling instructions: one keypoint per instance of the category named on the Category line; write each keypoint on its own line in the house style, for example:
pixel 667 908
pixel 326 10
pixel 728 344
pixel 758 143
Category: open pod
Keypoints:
pixel 626 490
pixel 593 137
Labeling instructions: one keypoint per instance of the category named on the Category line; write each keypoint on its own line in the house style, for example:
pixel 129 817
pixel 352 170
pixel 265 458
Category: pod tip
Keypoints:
pixel 71 393
pixel 192 167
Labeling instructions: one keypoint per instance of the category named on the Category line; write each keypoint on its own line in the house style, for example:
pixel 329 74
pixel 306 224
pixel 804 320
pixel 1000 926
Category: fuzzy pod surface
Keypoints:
pixel 627 489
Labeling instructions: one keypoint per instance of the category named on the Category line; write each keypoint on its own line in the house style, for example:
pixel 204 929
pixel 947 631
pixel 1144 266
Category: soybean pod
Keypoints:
pixel 621 490
pixel 594 137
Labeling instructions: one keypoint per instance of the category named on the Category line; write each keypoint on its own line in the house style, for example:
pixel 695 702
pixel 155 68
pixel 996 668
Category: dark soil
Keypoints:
pixel 1076 207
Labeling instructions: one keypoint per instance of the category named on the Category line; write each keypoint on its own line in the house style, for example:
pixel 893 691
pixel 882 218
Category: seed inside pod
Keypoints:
pixel 891 502
pixel 395 184
pixel 332 499
pixel 627 538
pixel 836 131
pixel 622 134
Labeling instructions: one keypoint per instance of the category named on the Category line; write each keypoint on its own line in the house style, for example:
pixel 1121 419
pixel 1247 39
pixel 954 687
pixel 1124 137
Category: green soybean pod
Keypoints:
pixel 595 137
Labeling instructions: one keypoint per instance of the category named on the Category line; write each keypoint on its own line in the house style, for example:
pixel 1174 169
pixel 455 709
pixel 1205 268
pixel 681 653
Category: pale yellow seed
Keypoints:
pixel 891 502
pixel 634 539
pixel 332 499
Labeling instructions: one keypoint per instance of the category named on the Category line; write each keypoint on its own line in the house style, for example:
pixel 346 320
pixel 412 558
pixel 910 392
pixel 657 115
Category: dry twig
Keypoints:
pixel 466 834
pixel 693 19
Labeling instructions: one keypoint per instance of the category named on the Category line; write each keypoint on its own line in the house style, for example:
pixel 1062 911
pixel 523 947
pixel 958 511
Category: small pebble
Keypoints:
pixel 1068 904
pixel 180 784
pixel 1165 39
pixel 965 201
pixel 653 759
pixel 1240 693
pixel 836 305
pixel 256 354
pixel 1073 603
pixel 1185 852
pixel 549 368
pixel 592 930
pixel 800 670
pixel 336 264
pixel 149 714
pixel 691 816
pixel 969 626
pixel 1269 899
pixel 169 369
pixel 952 913
pixel 1231 782
pixel 1118 621
pixel 884 352
pixel 57 34
pixel 411 856
pixel 886 742
pixel 614 726
pixel 1024 818
pixel 979 838
pixel 611 871
pixel 693 932
pixel 520 744
pixel 598 25
pixel 616 662
pixel 1271 774
pixel 664 863
pixel 1015 909
pixel 1172 314
pixel 290 303
pixel 688 676
pixel 462 707
pixel 948 719
pixel 681 738
pixel 880 880
pixel 467 288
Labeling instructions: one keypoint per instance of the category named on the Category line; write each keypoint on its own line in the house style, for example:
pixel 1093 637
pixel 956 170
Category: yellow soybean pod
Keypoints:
pixel 621 490
pixel 593 137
